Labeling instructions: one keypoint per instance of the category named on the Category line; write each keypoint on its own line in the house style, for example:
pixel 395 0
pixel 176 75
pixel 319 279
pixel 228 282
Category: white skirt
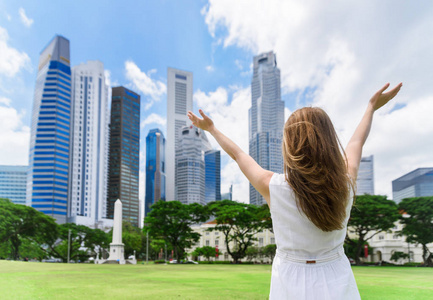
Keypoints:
pixel 330 280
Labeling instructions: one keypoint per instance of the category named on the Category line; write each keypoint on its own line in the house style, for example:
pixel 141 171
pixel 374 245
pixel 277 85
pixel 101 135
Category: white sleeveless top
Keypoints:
pixel 298 241
pixel 294 232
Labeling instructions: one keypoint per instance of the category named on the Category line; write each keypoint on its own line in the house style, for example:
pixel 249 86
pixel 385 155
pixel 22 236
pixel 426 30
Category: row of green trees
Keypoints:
pixel 28 233
pixel 373 214
pixel 25 232
pixel 239 223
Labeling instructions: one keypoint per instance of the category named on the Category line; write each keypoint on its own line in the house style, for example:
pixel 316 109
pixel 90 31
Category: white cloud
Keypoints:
pixel 341 59
pixel 232 119
pixel 153 119
pixel 24 19
pixel 14 136
pixel 210 68
pixel 5 101
pixel 11 60
pixel 8 17
pixel 154 89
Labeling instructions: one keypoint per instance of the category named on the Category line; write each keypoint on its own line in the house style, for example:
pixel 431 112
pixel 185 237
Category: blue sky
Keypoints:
pixel 333 55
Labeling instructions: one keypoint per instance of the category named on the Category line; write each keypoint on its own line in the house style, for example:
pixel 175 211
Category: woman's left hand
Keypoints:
pixel 206 123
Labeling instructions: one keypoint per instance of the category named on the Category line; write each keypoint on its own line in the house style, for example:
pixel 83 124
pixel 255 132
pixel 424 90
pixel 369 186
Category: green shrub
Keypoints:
pixel 160 261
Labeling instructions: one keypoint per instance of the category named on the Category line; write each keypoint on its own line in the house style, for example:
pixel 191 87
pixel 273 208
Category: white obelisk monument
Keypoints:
pixel 116 246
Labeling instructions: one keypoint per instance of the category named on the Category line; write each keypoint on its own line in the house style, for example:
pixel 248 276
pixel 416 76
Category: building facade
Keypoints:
pixel 217 239
pixel 212 161
pixel 48 176
pixel 266 118
pixel 179 102
pixel 365 179
pixel 89 145
pixel 124 162
pixel 190 178
pixel 155 169
pixel 13 183
pixel 417 183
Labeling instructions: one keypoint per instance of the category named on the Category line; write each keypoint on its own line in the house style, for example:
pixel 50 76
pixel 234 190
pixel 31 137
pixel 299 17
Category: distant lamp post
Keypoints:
pixel 69 244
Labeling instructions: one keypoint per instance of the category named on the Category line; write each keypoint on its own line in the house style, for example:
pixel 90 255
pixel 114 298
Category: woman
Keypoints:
pixel 310 203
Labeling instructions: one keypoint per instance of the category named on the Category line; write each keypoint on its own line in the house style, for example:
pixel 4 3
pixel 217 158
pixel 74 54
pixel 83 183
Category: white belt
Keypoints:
pixel 289 257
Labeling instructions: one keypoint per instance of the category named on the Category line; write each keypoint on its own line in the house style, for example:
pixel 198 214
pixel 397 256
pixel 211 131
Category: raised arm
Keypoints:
pixel 354 147
pixel 258 176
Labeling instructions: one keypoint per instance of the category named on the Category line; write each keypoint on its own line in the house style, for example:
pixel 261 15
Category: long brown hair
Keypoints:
pixel 315 168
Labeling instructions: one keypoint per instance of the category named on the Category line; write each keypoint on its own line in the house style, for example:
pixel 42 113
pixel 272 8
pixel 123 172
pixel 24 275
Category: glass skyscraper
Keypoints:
pixel 155 168
pixel 48 176
pixel 418 183
pixel 266 118
pixel 124 152
pixel 365 179
pixel 13 182
pixel 212 160
pixel 89 145
pixel 179 102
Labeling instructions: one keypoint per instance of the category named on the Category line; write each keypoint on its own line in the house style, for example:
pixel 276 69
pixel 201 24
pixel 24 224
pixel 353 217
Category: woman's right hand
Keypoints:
pixel 380 98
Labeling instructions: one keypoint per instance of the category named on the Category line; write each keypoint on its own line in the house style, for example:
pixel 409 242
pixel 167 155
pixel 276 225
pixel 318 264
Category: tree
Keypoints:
pixel 252 253
pixel 397 255
pixel 19 222
pixel 171 221
pixel 239 222
pixel 370 215
pixel 206 251
pixel 269 251
pixel 84 242
pixel 132 238
pixel 417 219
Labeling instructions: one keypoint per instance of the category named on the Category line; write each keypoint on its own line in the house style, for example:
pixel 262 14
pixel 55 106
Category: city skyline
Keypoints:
pixel 334 67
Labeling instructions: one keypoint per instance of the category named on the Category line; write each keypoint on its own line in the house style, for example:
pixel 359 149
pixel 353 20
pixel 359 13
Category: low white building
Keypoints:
pixel 384 244
pixel 217 239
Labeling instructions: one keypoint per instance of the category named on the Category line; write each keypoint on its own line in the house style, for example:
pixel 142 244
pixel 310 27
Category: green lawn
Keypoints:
pixel 21 280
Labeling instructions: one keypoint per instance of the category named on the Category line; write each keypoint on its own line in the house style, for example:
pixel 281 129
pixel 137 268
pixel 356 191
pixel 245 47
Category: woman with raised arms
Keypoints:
pixel 310 203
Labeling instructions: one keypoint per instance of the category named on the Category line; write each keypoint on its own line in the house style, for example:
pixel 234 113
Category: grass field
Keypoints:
pixel 25 280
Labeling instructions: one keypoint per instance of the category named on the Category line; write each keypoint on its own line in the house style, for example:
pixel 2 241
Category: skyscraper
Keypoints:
pixel 48 176
pixel 155 168
pixel 179 102
pixel 124 154
pixel 190 164
pixel 266 118
pixel 365 179
pixel 13 182
pixel 212 160
pixel 418 183
pixel 89 145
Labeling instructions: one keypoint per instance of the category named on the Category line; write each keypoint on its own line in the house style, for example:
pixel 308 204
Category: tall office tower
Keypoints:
pixel 155 169
pixel 365 180
pixel 89 145
pixel 212 161
pixel 124 152
pixel 418 183
pixel 48 176
pixel 13 182
pixel 266 118
pixel 190 164
pixel 179 102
